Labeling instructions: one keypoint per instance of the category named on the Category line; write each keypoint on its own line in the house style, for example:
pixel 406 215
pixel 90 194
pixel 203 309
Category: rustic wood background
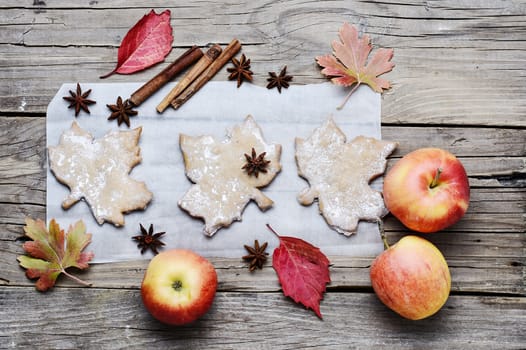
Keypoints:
pixel 459 84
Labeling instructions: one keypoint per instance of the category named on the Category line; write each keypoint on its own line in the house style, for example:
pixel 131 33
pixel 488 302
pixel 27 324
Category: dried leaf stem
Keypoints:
pixel 76 279
pixel 340 107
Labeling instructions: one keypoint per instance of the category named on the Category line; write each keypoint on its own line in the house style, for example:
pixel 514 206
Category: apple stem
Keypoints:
pixel 382 233
pixel 434 183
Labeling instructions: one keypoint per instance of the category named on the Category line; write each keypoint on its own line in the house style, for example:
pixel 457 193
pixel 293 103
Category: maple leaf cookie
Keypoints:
pixel 227 174
pixel 98 172
pixel 339 174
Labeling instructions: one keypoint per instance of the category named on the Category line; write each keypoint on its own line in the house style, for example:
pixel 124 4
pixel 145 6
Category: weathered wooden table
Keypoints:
pixel 459 84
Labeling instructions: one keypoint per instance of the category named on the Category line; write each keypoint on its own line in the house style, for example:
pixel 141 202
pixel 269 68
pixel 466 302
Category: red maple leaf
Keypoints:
pixel 146 43
pixel 348 64
pixel 303 271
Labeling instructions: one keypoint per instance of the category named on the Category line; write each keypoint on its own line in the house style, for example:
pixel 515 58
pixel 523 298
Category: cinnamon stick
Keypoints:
pixel 167 74
pixel 189 77
pixel 208 74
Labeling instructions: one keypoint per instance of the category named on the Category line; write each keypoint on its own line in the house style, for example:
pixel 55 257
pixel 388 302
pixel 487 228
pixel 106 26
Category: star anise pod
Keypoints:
pixel 256 255
pixel 122 111
pixel 241 70
pixel 256 164
pixel 148 239
pixel 79 100
pixel 279 81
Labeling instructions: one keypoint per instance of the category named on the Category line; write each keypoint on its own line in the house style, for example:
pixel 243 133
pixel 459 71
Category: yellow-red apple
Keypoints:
pixel 412 278
pixel 427 190
pixel 179 286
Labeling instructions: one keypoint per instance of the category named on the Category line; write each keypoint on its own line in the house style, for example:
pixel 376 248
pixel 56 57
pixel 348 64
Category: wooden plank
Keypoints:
pixel 458 9
pixel 504 212
pixel 22 156
pixel 29 132
pixel 478 263
pixel 93 318
pixel 474 74
pixel 461 141
pixel 409 102
pixel 454 21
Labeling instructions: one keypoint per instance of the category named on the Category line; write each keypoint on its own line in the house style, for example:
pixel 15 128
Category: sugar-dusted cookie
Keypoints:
pixel 339 174
pixel 227 174
pixel 98 171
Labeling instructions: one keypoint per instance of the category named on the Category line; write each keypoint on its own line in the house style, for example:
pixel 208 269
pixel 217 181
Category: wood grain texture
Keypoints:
pixel 457 62
pixel 116 318
pixel 492 212
pixel 474 274
pixel 459 84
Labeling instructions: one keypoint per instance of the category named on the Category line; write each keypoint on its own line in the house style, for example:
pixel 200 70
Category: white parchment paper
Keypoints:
pixel 296 112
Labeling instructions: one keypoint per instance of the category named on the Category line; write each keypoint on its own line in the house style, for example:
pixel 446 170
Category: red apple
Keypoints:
pixel 427 190
pixel 412 278
pixel 179 286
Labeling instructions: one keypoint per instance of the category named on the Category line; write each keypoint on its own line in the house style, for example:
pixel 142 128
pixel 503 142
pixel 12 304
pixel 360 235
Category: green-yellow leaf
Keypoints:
pixel 49 256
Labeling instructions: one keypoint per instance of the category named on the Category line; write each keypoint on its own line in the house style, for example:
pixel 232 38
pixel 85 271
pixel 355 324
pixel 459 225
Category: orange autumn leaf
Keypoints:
pixel 348 65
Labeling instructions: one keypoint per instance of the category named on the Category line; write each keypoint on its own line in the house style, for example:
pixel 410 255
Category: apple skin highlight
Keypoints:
pixel 179 286
pixel 420 202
